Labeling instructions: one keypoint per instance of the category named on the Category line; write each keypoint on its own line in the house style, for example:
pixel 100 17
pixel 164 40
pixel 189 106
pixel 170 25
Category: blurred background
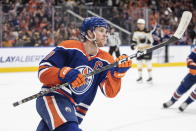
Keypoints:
pixel 47 22
pixel 30 29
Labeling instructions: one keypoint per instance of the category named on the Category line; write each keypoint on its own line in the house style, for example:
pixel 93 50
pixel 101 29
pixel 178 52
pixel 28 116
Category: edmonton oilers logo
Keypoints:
pixel 89 80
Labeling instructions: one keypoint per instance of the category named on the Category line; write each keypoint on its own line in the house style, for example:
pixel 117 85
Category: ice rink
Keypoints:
pixel 138 107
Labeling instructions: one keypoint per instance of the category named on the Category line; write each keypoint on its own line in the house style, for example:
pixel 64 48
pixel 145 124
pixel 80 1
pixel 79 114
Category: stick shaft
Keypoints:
pixel 42 93
pixel 185 20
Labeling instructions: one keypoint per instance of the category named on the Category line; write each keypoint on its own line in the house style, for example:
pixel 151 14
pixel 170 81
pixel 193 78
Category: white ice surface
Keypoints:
pixel 138 107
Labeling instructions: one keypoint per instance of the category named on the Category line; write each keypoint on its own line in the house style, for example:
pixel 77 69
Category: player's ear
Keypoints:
pixel 90 34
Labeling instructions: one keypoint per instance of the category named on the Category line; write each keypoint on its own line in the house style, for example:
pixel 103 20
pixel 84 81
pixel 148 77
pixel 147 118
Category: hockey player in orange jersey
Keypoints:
pixel 64 109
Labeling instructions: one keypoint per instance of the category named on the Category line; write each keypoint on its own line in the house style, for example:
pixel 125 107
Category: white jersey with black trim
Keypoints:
pixel 142 39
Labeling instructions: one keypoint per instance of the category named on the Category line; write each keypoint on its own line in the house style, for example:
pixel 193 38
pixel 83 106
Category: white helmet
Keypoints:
pixel 141 21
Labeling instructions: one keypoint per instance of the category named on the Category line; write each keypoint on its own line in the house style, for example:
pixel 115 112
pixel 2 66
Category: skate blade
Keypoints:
pixel 149 82
pixel 139 82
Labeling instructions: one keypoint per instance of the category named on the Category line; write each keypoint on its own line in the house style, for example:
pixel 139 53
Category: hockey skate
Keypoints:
pixel 168 104
pixel 183 106
pixel 139 80
pixel 149 80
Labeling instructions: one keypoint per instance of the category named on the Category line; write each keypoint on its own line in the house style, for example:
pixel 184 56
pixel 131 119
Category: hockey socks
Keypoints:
pixel 188 101
pixel 174 98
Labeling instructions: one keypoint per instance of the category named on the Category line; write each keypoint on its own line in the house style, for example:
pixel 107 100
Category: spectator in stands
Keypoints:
pixel 35 15
pixel 73 31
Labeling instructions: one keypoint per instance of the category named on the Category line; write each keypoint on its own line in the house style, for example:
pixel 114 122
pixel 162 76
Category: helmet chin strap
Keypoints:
pixel 92 40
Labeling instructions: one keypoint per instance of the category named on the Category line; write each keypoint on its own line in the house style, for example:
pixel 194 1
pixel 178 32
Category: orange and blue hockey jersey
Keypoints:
pixel 191 62
pixel 71 53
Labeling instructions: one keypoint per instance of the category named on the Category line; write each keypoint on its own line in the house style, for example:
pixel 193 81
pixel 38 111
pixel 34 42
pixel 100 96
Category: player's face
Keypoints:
pixel 141 26
pixel 101 36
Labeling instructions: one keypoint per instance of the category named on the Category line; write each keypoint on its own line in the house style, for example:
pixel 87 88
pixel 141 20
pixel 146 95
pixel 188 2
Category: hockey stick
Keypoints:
pixel 184 22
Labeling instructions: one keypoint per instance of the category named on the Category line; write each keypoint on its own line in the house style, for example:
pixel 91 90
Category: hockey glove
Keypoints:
pixel 72 76
pixel 123 66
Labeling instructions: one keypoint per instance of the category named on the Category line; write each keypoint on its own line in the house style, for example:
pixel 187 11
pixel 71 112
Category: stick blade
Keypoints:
pixel 184 22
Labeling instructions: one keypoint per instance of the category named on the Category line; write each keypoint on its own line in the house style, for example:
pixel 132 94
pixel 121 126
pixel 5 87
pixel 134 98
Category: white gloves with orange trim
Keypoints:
pixel 73 76
pixel 123 66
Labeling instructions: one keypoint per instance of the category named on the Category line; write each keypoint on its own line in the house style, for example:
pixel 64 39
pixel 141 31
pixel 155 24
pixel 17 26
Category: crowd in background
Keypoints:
pixel 32 24
pixel 42 23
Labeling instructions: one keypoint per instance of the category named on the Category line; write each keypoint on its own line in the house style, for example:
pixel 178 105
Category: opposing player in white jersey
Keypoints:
pixel 141 40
